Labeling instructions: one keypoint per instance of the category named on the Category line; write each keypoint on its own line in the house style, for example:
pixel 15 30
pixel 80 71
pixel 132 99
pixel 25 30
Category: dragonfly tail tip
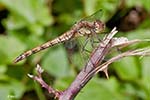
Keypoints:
pixel 18 59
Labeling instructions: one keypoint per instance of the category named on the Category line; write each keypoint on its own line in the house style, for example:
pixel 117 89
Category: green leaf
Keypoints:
pixel 101 90
pixel 63 83
pixel 10 47
pixel 132 90
pixel 139 34
pixel 3 69
pixel 11 90
pixel 58 6
pixel 30 10
pixel 108 6
pixel 127 68
pixel 146 4
pixel 56 62
pixel 89 6
pixel 78 60
pixel 27 13
pixel 145 66
pixel 144 24
pixel 141 3
pixel 146 75
pixel 33 41
pixel 36 29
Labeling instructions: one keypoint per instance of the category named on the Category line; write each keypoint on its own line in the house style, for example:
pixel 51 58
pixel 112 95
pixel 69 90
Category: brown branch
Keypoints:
pixel 103 67
pixel 39 79
pixel 97 57
pixel 93 65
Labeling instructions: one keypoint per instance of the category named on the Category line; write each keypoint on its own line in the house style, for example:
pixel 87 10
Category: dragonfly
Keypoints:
pixel 88 26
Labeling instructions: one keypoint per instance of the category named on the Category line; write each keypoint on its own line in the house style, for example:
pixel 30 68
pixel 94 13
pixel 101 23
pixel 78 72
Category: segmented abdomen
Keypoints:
pixel 66 36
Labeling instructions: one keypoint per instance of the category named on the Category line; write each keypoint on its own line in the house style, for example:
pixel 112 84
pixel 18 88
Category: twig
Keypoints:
pixel 93 65
pixel 97 57
pixel 103 67
pixel 39 79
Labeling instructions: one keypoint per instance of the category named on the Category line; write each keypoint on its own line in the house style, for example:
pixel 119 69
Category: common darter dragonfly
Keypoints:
pixel 88 26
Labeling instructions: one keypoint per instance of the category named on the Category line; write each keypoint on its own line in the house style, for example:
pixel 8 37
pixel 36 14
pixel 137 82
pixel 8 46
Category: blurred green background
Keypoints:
pixel 25 24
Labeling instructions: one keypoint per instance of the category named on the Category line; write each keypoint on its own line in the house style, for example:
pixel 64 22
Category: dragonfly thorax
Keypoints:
pixel 99 26
pixel 84 31
pixel 90 28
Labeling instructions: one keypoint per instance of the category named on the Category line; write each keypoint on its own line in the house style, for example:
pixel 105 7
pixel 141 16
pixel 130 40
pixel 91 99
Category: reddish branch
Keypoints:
pixel 93 65
pixel 39 79
pixel 96 58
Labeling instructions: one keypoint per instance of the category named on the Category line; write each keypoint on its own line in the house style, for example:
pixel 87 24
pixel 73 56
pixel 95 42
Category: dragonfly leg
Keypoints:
pixel 93 37
pixel 96 35
pixel 92 41
pixel 85 43
pixel 84 51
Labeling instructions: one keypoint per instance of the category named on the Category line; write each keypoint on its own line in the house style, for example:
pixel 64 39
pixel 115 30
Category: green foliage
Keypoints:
pixel 27 13
pixel 101 89
pixel 55 62
pixel 128 68
pixel 10 89
pixel 30 23
pixel 9 48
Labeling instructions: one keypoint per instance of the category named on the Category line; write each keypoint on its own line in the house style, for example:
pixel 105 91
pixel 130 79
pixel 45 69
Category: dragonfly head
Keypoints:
pixel 99 26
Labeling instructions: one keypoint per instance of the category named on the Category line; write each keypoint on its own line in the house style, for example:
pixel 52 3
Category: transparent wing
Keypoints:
pixel 94 16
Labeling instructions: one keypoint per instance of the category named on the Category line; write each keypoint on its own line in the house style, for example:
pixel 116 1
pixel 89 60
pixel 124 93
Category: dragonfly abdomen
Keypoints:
pixel 66 36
